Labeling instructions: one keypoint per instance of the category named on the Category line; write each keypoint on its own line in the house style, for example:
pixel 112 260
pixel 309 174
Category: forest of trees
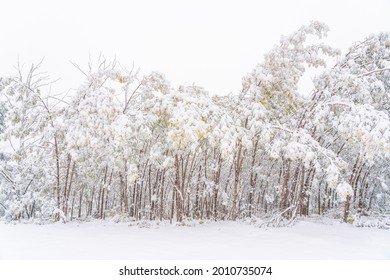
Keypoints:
pixel 130 146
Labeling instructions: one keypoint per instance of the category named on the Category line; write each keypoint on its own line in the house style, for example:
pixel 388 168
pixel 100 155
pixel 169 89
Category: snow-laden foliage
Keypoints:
pixel 134 147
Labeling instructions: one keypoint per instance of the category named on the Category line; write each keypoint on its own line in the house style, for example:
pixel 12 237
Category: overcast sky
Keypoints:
pixel 210 43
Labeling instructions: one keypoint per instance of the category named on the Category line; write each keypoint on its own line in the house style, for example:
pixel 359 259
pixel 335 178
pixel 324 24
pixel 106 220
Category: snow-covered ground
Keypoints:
pixel 309 239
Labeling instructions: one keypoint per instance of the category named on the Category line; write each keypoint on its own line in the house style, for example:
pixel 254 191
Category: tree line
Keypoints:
pixel 131 146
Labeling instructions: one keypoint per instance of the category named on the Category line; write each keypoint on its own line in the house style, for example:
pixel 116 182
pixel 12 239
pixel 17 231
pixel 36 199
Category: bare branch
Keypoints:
pixel 78 68
pixel 374 71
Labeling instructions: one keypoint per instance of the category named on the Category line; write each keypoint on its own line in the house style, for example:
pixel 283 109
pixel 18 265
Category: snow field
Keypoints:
pixel 96 240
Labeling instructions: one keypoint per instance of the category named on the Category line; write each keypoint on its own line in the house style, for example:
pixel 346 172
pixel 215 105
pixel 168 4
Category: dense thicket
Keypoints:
pixel 136 147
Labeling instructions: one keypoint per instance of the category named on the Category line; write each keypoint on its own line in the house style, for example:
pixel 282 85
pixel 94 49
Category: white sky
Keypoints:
pixel 210 43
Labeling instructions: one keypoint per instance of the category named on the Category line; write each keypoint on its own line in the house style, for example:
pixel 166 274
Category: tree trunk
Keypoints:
pixel 286 177
pixel 237 171
pixel 346 208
